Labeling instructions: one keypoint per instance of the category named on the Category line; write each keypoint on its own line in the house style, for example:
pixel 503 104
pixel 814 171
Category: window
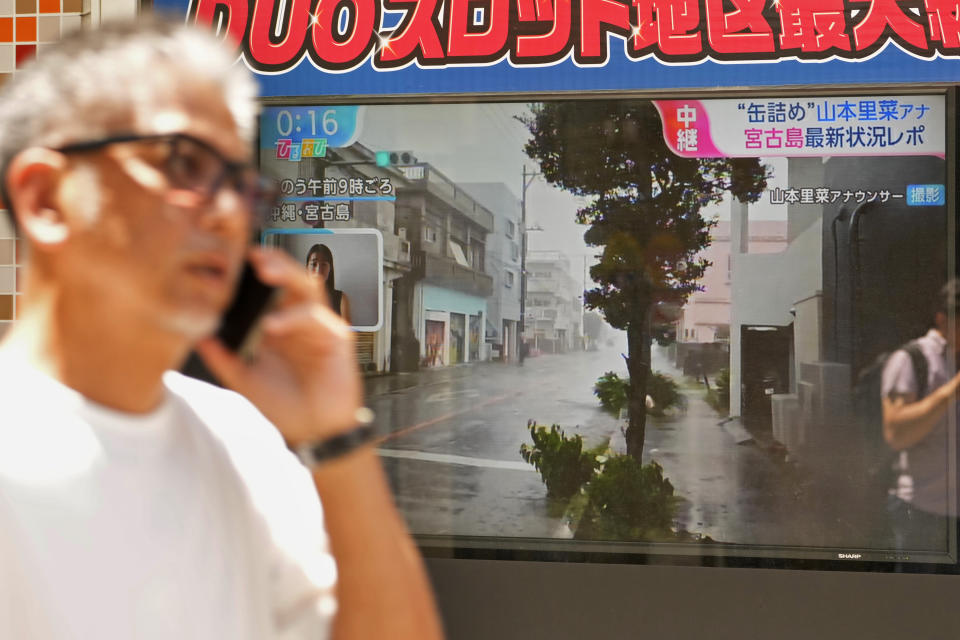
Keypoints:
pixel 508 278
pixel 477 252
pixel 456 251
pixel 511 228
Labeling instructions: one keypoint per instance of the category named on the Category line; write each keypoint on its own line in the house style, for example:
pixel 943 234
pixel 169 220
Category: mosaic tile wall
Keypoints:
pixel 9 260
pixel 26 27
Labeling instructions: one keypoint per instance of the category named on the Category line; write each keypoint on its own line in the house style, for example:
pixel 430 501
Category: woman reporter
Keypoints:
pixel 320 264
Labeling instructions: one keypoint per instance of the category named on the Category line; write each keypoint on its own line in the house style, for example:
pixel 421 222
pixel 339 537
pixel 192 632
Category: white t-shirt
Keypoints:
pixel 193 521
pixel 923 469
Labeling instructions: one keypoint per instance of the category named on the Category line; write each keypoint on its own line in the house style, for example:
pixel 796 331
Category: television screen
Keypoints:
pixel 710 329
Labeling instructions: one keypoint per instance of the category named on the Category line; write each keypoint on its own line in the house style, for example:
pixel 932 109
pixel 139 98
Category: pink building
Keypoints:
pixel 706 316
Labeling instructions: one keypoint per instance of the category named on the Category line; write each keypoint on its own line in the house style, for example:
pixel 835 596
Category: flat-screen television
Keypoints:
pixel 710 329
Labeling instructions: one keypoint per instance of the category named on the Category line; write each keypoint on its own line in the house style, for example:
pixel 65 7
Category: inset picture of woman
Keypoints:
pixel 320 264
pixel 347 263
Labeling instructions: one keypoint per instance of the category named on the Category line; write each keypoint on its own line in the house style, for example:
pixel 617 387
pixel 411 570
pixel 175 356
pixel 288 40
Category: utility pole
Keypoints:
pixel 527 180
pixel 583 305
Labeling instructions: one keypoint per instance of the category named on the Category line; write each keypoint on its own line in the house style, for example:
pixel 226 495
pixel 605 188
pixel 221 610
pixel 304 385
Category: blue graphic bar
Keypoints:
pixel 926 195
pixel 336 198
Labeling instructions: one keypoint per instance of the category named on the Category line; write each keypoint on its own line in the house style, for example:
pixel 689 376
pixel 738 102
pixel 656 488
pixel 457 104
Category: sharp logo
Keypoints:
pixel 849 556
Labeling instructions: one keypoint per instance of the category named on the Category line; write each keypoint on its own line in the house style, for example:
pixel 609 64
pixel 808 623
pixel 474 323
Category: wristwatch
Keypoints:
pixel 312 454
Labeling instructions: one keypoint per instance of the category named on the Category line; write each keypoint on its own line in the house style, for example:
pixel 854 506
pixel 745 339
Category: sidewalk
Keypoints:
pixel 394 382
pixel 732 489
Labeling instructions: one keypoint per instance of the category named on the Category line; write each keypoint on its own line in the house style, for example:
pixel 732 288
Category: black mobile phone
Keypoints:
pixel 239 321
pixel 238 327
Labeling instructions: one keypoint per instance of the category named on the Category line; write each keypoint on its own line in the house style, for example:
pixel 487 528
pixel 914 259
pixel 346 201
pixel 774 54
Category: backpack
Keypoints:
pixel 878 459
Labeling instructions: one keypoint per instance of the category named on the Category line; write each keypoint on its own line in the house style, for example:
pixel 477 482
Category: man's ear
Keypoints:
pixel 32 180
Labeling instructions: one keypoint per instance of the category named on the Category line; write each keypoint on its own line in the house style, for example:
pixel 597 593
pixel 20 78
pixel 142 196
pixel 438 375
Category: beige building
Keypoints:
pixel 553 308
pixel 705 318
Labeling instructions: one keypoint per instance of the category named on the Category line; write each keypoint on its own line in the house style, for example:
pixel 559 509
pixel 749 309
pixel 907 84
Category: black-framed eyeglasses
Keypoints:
pixel 191 164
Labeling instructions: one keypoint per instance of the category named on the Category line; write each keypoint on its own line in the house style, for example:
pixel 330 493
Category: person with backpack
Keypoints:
pixel 916 427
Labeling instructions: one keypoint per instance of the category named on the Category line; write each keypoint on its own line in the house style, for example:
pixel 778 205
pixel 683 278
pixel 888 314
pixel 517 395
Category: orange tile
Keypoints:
pixel 6 29
pixel 6 307
pixel 26 29
pixel 49 6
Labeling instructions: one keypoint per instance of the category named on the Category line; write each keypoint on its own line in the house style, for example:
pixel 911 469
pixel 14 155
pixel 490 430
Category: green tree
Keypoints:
pixel 644 212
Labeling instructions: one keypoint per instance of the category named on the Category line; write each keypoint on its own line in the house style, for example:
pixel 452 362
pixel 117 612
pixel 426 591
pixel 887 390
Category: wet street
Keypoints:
pixel 453 437
pixel 453 449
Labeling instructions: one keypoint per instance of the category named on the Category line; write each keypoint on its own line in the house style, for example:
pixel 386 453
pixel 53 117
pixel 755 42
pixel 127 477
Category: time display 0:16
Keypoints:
pixel 328 125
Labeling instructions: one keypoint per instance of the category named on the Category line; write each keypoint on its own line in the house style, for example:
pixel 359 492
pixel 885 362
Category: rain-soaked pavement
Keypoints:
pixel 452 453
pixel 455 436
pixel 733 492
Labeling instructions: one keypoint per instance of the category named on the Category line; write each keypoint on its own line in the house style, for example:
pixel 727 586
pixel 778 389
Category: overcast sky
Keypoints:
pixel 483 142
pixel 479 142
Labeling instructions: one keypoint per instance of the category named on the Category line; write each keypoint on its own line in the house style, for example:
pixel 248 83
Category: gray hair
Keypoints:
pixel 93 83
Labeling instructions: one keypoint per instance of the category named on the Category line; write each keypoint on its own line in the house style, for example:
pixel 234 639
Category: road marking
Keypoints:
pixel 446 458
pixel 447 416
pixel 450 395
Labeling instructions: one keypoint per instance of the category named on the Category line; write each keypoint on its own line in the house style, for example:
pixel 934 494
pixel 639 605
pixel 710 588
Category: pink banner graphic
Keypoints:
pixel 885 125
pixel 686 128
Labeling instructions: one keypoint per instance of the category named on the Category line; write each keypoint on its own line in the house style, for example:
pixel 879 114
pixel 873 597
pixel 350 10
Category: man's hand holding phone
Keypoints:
pixel 304 377
pixel 305 380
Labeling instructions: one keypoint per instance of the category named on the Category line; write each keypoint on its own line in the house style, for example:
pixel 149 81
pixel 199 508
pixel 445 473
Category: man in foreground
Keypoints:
pixel 136 502
pixel 916 423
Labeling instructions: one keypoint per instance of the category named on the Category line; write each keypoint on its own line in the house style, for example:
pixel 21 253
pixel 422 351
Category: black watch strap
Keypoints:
pixel 314 453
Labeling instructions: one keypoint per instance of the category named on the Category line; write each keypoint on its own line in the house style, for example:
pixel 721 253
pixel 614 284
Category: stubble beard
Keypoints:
pixel 192 325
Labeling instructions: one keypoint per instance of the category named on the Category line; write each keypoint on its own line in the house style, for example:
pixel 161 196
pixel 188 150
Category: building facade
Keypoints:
pixel 553 306
pixel 808 319
pixel 441 310
pixel 503 265
pixel 703 329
